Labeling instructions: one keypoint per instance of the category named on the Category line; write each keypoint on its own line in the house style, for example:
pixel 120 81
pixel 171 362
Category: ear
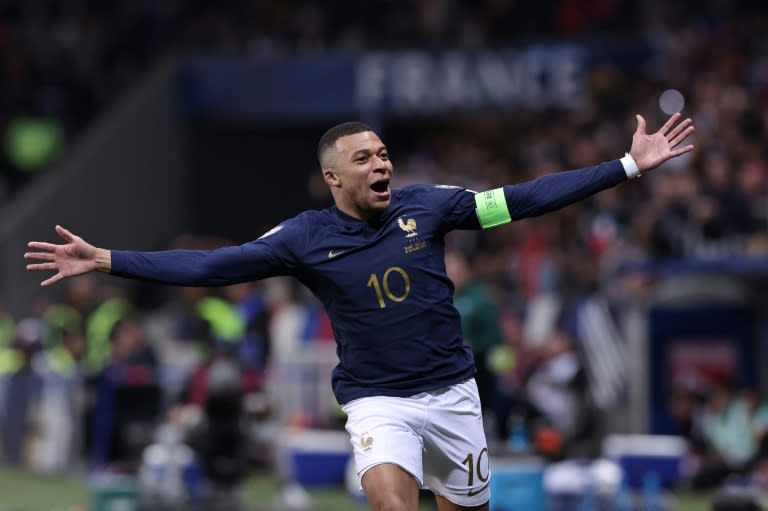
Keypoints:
pixel 331 177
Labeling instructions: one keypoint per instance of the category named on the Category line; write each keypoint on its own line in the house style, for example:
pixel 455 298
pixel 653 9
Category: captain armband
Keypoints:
pixel 492 208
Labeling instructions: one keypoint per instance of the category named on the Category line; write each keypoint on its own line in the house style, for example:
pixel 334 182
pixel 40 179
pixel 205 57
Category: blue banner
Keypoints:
pixel 428 83
pixel 415 82
pixel 235 88
pixel 693 347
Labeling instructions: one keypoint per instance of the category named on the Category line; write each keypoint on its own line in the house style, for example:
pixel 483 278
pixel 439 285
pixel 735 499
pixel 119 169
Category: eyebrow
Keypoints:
pixel 361 152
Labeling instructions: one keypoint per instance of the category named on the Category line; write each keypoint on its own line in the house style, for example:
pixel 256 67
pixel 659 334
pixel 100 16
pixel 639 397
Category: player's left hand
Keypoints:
pixel 651 150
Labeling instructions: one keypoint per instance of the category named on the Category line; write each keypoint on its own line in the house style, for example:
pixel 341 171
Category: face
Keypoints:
pixel 359 174
pixel 128 339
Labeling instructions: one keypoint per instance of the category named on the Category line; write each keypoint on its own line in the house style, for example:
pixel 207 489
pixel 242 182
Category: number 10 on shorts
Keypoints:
pixel 476 467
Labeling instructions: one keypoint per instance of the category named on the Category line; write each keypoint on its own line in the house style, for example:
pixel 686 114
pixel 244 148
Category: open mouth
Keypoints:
pixel 380 186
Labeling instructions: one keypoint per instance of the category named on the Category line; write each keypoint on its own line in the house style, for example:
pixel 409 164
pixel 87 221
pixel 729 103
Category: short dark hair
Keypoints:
pixel 328 140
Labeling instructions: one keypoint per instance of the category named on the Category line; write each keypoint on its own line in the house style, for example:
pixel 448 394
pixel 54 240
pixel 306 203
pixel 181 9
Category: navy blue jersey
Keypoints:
pixel 382 281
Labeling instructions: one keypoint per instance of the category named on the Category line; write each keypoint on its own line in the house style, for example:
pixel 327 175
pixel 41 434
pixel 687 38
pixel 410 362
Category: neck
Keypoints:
pixel 352 211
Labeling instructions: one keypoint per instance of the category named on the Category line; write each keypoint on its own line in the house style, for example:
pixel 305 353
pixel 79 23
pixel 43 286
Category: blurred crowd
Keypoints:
pixel 727 429
pixel 62 62
pixel 91 382
pixel 91 375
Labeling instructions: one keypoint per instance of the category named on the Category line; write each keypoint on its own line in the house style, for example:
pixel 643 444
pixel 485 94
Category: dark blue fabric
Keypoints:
pixel 382 281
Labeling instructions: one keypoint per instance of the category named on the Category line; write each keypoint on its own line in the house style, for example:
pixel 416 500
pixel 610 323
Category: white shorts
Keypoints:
pixel 436 436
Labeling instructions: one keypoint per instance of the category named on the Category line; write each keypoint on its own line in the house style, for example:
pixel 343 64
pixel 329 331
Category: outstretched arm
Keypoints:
pixel 554 191
pixel 228 265
pixel 76 257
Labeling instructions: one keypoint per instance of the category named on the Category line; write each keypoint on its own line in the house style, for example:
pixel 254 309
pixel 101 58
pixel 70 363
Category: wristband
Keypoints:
pixel 492 208
pixel 630 166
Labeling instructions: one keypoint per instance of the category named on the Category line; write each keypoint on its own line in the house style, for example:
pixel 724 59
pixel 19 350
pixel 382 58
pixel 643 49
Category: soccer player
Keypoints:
pixel 375 260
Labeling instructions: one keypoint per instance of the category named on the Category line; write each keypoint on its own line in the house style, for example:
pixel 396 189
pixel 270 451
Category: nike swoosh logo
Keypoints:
pixel 471 493
pixel 332 254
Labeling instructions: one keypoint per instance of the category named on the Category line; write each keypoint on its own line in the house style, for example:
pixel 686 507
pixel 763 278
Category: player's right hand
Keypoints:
pixel 76 257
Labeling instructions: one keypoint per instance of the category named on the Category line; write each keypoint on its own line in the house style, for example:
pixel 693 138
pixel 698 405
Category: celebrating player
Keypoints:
pixel 405 377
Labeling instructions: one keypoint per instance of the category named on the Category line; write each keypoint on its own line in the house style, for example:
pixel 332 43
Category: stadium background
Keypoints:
pixel 149 126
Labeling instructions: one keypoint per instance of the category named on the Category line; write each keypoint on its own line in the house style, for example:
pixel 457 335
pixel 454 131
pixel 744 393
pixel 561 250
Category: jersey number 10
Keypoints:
pixel 374 281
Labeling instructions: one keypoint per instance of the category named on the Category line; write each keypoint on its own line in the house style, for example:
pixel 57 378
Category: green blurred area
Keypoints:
pixel 33 142
pixel 22 491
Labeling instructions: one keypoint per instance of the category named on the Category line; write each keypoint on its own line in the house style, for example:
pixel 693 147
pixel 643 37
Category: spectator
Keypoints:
pixel 61 407
pixel 557 397
pixel 730 436
pixel 480 325
pixel 23 389
pixel 128 399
